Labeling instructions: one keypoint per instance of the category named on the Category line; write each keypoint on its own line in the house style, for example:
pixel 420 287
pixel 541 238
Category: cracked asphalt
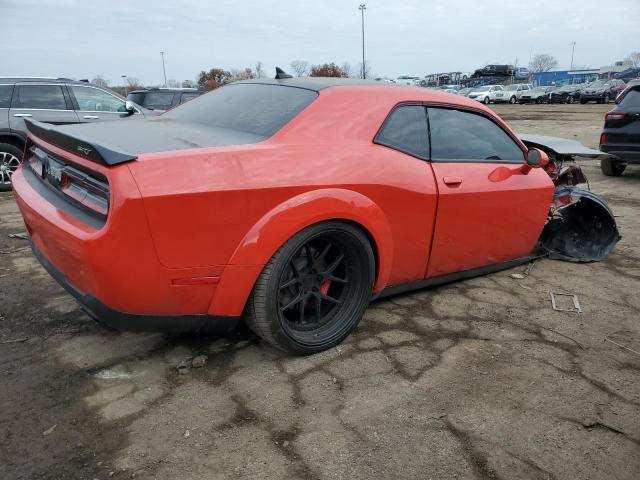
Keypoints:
pixel 476 379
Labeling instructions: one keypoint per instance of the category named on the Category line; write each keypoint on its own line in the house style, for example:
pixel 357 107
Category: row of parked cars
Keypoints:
pixel 600 91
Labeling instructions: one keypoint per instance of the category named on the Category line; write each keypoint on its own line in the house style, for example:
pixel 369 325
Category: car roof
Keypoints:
pixel 62 80
pixel 166 89
pixel 317 83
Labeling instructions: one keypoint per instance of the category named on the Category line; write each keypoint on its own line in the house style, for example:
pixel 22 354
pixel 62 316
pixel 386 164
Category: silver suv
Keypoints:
pixel 51 100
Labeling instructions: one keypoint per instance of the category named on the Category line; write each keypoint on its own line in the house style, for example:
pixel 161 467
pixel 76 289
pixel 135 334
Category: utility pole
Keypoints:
pixel 573 48
pixel 163 69
pixel 362 8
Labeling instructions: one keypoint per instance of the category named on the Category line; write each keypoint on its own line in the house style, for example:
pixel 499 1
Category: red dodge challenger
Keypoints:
pixel 290 203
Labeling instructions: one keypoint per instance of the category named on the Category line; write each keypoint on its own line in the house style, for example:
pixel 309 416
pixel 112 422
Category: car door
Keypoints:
pixel 44 102
pixel 93 104
pixel 489 211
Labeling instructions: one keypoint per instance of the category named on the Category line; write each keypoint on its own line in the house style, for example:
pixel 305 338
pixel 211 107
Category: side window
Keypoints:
pixel 94 100
pixel 406 130
pixel 5 95
pixel 465 136
pixel 39 96
pixel 158 100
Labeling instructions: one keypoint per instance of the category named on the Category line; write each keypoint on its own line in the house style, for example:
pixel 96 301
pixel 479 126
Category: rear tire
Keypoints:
pixel 570 99
pixel 612 168
pixel 512 100
pixel 314 290
pixel 9 161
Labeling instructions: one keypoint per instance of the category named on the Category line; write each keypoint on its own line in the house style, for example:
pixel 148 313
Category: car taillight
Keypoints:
pixel 615 115
pixel 89 190
pixel 92 194
pixel 603 138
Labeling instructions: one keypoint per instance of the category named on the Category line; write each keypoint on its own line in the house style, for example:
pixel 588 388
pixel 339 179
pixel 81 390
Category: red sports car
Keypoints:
pixel 289 202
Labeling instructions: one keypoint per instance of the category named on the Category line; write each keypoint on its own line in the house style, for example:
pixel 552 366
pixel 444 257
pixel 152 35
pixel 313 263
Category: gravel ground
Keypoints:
pixel 477 379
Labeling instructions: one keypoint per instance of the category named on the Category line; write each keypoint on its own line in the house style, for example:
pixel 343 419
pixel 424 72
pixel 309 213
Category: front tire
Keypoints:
pixel 570 99
pixel 612 168
pixel 486 100
pixel 314 290
pixel 512 100
pixel 9 162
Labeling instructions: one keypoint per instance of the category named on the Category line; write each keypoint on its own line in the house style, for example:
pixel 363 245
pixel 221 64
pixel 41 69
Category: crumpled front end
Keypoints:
pixel 581 227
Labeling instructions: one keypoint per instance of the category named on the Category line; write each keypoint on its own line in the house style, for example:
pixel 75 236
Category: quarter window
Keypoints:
pixel 466 136
pixel 48 97
pixel 94 100
pixel 406 130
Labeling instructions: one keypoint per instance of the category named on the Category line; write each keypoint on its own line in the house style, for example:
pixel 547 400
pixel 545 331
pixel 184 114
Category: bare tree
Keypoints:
pixel 244 74
pixel 346 68
pixel 300 68
pixel 214 78
pixel 367 70
pixel 100 81
pixel 634 59
pixel 259 73
pixel 542 62
pixel 171 83
pixel 189 84
pixel 133 84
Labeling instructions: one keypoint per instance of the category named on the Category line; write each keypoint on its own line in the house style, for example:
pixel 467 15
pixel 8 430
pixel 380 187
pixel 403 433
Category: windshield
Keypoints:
pixel 259 109
pixel 484 89
pixel 511 87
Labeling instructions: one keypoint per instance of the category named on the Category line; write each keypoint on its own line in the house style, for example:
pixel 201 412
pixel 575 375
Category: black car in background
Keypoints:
pixel 601 91
pixel 494 71
pixel 621 134
pixel 161 99
pixel 565 94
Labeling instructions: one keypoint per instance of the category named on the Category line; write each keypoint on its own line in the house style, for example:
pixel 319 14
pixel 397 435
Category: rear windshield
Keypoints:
pixel 631 100
pixel 252 108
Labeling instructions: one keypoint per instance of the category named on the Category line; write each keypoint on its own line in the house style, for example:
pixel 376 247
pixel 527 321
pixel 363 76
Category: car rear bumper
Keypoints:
pixel 135 322
pixel 113 270
pixel 627 153
pixel 591 97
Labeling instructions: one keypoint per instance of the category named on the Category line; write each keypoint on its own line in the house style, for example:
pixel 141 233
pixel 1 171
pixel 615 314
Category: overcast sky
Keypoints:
pixel 84 38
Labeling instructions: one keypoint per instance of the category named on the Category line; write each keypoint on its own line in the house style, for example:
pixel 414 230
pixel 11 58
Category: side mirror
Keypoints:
pixel 130 107
pixel 535 158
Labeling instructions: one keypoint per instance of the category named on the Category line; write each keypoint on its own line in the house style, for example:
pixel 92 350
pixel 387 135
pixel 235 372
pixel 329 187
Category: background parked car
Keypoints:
pixel 494 71
pixel 512 93
pixel 521 73
pixel 535 95
pixel 621 134
pixel 161 99
pixel 601 91
pixel 486 94
pixel 565 94
pixel 465 91
pixel 407 80
pixel 51 100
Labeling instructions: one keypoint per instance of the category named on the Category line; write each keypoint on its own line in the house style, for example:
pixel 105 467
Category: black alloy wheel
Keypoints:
pixel 313 292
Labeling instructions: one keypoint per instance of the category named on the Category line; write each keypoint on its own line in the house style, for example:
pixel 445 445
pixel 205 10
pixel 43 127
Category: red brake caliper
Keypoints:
pixel 324 288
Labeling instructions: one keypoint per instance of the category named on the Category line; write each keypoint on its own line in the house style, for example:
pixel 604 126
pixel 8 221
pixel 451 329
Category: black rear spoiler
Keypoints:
pixel 85 149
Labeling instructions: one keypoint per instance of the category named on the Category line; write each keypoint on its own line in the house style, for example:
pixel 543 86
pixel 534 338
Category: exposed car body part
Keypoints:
pixel 581 227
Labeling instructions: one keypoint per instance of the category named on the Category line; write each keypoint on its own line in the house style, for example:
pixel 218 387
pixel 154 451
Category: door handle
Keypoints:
pixel 22 115
pixel 453 181
pixel 91 117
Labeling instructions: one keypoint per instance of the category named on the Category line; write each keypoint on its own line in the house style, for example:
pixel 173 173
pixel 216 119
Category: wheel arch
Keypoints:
pixel 282 222
pixel 12 138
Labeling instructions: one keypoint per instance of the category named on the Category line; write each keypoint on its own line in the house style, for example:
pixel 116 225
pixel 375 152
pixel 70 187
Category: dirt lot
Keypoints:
pixel 478 379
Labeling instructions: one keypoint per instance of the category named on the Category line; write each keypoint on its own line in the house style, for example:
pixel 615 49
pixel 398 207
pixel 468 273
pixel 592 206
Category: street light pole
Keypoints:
pixel 163 69
pixel 573 48
pixel 124 84
pixel 362 8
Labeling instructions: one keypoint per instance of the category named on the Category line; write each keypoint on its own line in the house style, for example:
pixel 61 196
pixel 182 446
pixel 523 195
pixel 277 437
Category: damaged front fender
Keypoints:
pixel 581 227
